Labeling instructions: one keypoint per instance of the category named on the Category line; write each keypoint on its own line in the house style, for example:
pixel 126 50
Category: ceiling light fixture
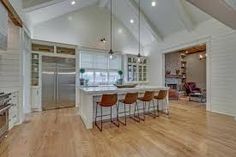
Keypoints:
pixel 103 40
pixel 70 18
pixel 153 3
pixel 111 51
pixel 131 21
pixel 73 2
pixel 120 30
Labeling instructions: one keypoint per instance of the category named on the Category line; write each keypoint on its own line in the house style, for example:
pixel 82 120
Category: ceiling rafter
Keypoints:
pixel 41 5
pixel 184 15
pixel 155 32
pixel 219 9
pixel 102 3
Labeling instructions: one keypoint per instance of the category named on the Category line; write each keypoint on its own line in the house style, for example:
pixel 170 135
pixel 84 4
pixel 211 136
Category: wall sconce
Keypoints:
pixel 202 56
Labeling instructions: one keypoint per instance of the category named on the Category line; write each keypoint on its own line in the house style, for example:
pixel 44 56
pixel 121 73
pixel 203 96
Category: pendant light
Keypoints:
pixel 111 51
pixel 139 57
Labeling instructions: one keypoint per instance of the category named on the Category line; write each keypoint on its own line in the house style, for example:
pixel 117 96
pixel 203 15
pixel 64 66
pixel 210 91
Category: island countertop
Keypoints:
pixel 112 89
pixel 89 95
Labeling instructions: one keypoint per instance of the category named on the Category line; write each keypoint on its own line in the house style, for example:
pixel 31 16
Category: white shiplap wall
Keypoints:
pixel 10 60
pixel 221 62
pixel 11 68
pixel 223 74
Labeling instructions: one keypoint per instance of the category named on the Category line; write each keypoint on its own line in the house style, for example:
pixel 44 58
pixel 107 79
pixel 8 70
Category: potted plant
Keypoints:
pixel 82 71
pixel 120 81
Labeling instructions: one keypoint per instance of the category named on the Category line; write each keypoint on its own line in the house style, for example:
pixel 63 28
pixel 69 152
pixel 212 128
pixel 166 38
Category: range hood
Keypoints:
pixel 222 10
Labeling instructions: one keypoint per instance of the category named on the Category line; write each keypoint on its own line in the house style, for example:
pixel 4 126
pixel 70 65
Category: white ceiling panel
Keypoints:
pixel 55 10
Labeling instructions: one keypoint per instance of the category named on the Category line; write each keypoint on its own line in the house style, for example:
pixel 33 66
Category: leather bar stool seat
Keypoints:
pixel 107 101
pixel 161 97
pixel 130 99
pixel 148 98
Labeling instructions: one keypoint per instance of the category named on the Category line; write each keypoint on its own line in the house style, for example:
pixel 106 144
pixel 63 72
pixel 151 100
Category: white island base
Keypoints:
pixel 88 96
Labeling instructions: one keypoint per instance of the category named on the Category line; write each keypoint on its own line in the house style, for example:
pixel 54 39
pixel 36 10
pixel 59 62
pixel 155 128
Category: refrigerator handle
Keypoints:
pixel 54 87
pixel 57 85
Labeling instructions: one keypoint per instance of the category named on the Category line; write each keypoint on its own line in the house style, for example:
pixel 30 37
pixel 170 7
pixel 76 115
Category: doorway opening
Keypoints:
pixel 185 73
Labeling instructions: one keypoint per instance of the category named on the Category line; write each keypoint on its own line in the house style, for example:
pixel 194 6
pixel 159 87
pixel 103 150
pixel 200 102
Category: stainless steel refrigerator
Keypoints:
pixel 58 82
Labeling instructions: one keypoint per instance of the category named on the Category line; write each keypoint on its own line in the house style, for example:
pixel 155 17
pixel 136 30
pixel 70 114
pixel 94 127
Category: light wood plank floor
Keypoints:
pixel 190 132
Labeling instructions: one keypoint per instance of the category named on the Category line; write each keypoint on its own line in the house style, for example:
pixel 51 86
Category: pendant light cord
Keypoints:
pixel 139 45
pixel 111 25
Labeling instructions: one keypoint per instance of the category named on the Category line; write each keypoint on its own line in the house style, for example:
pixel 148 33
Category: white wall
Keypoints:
pixel 220 48
pixel 11 79
pixel 155 68
pixel 196 70
pixel 223 74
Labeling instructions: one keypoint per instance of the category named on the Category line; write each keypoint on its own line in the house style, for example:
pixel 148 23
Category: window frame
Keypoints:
pixel 108 70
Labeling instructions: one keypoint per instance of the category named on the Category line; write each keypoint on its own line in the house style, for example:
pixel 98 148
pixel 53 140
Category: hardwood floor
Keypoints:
pixel 190 131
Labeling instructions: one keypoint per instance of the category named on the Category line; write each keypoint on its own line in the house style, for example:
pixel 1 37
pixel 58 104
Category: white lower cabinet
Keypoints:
pixel 12 116
pixel 36 99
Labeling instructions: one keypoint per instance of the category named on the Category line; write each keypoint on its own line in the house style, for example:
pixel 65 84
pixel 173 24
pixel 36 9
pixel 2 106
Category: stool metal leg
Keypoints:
pixel 153 112
pixel 117 122
pixel 134 117
pixel 138 111
pixel 144 104
pixel 124 123
pixel 100 128
pixel 111 114
pixel 155 108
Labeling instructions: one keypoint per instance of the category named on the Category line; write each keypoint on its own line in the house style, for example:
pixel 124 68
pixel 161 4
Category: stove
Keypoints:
pixel 4 112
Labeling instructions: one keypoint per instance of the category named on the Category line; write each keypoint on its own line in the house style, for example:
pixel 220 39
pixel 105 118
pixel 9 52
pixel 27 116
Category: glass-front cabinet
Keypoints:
pixel 136 72
pixel 35 70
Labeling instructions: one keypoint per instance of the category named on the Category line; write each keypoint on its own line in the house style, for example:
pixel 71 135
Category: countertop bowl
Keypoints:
pixel 125 85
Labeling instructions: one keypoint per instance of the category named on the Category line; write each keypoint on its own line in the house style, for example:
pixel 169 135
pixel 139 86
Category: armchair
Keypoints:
pixel 191 88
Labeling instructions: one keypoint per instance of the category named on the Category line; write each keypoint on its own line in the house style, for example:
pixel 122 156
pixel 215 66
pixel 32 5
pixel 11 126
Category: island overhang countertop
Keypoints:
pixel 112 89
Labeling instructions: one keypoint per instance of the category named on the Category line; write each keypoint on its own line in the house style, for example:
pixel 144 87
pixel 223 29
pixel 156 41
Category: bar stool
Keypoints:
pixel 130 99
pixel 148 98
pixel 107 101
pixel 162 97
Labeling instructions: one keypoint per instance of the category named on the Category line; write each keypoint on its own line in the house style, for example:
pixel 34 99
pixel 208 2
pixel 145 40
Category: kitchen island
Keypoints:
pixel 88 96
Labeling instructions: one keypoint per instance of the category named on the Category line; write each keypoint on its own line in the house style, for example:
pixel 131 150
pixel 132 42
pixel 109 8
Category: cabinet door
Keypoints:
pixel 144 73
pixel 36 99
pixel 130 73
pixel 140 73
pixel 134 73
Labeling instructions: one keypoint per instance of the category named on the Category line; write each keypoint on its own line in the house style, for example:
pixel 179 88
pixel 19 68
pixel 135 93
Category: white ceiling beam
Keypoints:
pixel 224 11
pixel 184 15
pixel 103 3
pixel 41 5
pixel 153 29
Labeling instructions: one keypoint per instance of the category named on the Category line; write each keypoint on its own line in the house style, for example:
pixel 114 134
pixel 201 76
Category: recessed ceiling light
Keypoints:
pixel 131 21
pixel 154 3
pixel 73 2
pixel 69 18
pixel 120 30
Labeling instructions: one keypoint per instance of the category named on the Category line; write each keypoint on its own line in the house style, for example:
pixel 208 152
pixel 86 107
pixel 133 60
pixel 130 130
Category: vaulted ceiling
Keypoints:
pixel 222 10
pixel 158 22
